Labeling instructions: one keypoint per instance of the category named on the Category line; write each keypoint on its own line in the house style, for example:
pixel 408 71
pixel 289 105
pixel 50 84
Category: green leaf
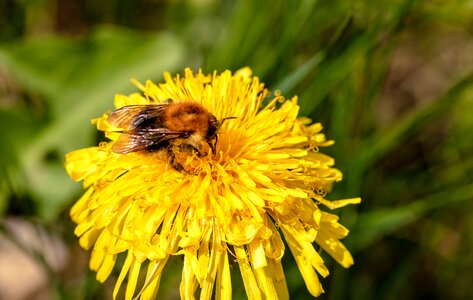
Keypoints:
pixel 373 225
pixel 291 80
pixel 389 137
pixel 16 128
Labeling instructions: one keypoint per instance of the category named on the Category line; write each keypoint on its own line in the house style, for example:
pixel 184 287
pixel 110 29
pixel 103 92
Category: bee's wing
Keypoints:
pixel 131 116
pixel 141 139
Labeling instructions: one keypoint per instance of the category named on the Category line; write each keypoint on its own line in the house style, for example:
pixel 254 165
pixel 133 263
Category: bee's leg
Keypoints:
pixel 175 164
pixel 190 148
pixel 213 144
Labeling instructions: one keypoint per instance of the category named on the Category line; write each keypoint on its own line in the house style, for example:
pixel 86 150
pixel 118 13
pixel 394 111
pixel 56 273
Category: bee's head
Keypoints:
pixel 214 125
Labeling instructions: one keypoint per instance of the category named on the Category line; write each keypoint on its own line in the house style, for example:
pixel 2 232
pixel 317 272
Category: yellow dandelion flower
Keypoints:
pixel 266 181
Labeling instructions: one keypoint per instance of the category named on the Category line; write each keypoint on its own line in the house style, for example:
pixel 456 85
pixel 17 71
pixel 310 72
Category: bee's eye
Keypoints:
pixel 213 126
pixel 211 132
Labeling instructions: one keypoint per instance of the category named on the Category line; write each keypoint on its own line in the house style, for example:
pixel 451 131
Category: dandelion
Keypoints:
pixel 265 182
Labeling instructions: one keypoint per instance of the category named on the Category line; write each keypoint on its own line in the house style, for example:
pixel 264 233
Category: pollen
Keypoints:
pixel 262 188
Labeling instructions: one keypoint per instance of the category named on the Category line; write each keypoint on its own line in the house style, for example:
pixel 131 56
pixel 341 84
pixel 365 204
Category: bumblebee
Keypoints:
pixel 167 127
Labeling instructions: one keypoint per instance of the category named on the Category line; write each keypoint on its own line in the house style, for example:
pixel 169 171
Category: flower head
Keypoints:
pixel 265 181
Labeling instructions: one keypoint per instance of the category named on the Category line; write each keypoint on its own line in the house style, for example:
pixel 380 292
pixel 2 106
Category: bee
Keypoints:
pixel 169 127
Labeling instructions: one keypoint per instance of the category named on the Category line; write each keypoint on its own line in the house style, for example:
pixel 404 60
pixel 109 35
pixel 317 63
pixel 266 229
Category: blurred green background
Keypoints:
pixel 392 82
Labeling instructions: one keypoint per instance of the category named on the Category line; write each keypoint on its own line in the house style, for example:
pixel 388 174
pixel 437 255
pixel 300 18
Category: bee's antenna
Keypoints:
pixel 223 120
